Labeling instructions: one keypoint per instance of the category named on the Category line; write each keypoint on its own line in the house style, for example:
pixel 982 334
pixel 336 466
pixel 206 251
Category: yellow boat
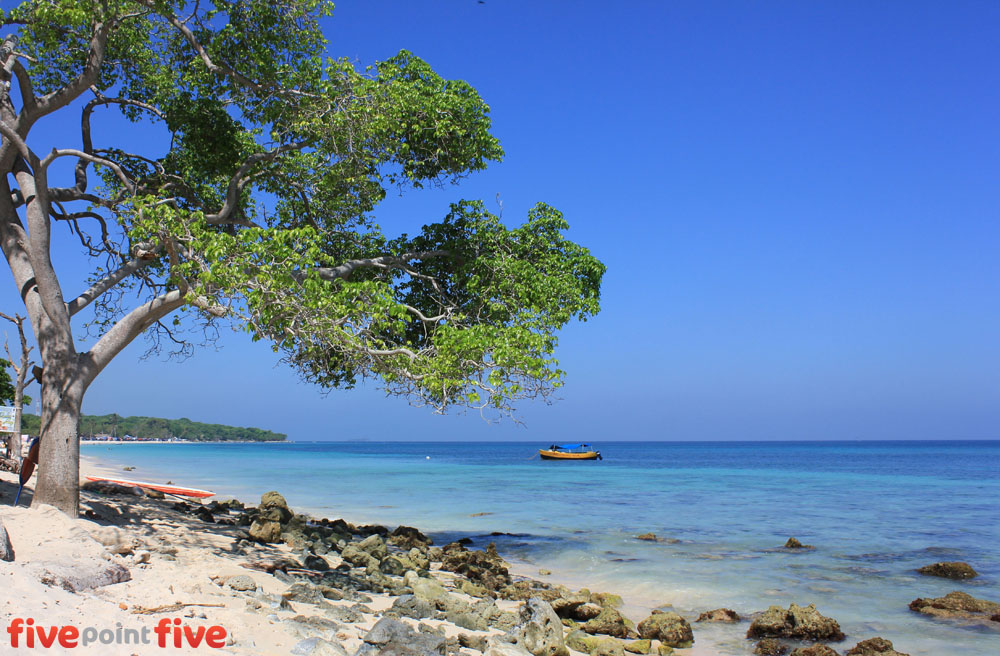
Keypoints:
pixel 570 452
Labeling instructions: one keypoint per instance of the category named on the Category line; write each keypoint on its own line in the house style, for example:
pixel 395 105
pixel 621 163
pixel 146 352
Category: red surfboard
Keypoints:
pixel 166 489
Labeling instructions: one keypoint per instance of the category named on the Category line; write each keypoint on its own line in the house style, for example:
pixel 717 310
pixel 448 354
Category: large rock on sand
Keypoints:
pixel 81 574
pixel 609 622
pixel 597 645
pixel 6 548
pixel 495 647
pixel 61 552
pixel 390 636
pixel 959 605
pixel 424 588
pixel 874 647
pixel 669 628
pixel 263 530
pixel 273 507
pixel 407 537
pixel 797 623
pixel 485 568
pixel 953 570
pixel 374 546
pixel 541 631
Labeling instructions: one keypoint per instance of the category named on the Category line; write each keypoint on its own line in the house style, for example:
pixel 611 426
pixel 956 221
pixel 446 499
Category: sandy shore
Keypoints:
pixel 180 568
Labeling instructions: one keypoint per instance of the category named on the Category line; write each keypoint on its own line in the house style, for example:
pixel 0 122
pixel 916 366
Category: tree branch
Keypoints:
pixel 240 178
pixel 127 329
pixel 80 173
pixel 72 152
pixel 62 97
pixel 142 259
pixel 345 270
pixel 30 103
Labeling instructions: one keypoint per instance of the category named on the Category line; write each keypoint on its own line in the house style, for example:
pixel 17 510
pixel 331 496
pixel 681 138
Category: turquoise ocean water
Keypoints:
pixel 874 510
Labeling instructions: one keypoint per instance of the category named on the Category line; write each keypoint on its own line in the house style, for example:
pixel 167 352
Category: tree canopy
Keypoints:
pixel 256 204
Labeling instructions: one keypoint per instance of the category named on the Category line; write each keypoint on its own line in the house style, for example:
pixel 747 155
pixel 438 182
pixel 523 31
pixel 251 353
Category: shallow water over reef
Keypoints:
pixel 875 511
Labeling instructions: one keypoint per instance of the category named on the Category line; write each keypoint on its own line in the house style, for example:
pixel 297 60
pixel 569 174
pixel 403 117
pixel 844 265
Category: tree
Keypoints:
pixel 259 210
pixel 13 391
pixel 7 390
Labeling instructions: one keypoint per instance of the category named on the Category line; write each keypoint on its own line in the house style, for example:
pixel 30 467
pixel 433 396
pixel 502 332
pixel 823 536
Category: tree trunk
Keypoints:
pixel 58 482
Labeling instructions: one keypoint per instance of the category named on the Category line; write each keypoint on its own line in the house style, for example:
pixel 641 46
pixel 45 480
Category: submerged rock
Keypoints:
pixel 874 647
pixel 719 615
pixel 953 570
pixel 770 647
pixel 958 605
pixel 653 537
pixel 793 543
pixel 669 628
pixel 814 650
pixel 797 622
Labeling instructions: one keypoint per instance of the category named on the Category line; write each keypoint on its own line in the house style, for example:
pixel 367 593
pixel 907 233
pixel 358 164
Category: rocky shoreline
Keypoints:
pixel 290 583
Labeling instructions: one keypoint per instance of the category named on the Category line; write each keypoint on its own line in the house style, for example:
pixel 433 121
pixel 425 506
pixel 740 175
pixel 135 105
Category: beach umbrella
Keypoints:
pixel 28 466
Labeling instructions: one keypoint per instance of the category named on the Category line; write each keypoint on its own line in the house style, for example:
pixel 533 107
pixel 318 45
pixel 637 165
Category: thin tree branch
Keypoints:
pixel 240 178
pixel 383 262
pixel 73 152
pixel 128 328
pixel 142 259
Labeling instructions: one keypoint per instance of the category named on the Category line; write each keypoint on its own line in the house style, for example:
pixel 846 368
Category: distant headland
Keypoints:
pixel 117 428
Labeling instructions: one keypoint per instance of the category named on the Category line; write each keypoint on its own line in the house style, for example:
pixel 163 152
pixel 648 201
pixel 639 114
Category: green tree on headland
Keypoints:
pixel 254 205
pixel 159 428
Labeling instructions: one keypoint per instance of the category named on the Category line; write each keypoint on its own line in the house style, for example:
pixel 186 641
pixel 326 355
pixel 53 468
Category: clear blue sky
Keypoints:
pixel 798 204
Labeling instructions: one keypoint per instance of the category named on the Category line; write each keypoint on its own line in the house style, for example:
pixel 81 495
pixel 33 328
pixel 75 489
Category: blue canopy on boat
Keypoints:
pixel 571 446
